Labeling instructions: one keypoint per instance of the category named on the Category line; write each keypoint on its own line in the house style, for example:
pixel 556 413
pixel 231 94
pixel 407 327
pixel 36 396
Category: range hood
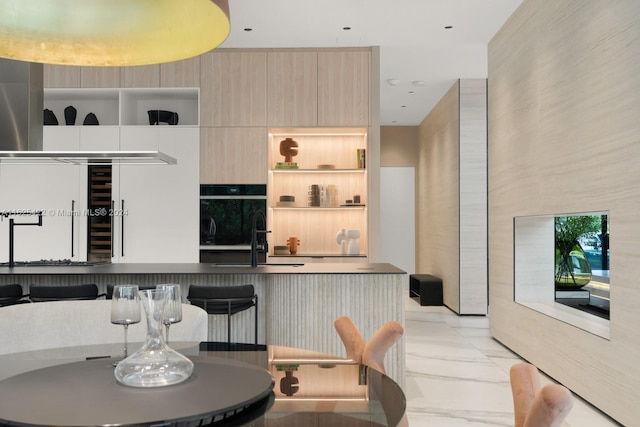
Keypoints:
pixel 21 124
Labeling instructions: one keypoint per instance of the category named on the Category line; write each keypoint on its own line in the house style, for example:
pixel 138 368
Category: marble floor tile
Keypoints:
pixel 457 375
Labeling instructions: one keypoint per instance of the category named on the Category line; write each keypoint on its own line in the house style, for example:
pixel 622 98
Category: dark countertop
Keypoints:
pixel 208 268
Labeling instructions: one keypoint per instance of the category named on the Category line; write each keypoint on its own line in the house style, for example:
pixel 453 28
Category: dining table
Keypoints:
pixel 231 385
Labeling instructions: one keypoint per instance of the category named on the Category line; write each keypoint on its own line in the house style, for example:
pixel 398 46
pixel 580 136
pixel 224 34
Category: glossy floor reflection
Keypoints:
pixel 457 375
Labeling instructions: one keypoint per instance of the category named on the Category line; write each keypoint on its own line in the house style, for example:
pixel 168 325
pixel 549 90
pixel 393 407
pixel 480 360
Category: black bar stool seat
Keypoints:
pixel 42 293
pixel 227 300
pixel 11 294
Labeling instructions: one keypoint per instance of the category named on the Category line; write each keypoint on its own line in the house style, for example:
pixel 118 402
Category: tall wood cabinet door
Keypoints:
pixel 100 77
pixel 344 88
pixel 140 76
pixel 292 88
pixel 233 88
pixel 62 76
pixel 185 73
pixel 233 156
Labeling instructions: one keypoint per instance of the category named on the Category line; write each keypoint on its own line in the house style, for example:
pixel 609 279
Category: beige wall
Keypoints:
pixel 564 136
pixel 452 221
pixel 399 146
pixel 437 224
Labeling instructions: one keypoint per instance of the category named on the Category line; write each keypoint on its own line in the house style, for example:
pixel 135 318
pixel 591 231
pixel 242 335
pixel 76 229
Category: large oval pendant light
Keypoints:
pixel 111 32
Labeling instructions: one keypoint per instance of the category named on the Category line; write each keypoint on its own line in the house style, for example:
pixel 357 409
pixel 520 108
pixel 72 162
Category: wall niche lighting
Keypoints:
pixel 111 33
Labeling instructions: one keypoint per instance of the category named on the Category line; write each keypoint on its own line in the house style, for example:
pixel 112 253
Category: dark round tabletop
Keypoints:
pixel 237 384
pixel 87 394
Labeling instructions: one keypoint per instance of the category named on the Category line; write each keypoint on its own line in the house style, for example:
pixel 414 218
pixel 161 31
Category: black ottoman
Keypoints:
pixel 427 287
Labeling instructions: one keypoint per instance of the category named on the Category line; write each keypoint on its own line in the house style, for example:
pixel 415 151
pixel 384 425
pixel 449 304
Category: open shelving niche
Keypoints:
pixel 317 227
pixel 124 107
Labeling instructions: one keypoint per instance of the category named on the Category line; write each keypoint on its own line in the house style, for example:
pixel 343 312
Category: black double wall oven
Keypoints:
pixel 226 213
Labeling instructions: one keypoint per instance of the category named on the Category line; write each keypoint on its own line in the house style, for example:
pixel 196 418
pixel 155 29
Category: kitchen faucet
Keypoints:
pixel 254 237
pixel 13 224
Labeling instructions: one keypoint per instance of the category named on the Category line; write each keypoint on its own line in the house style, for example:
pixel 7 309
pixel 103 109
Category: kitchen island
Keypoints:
pixel 297 302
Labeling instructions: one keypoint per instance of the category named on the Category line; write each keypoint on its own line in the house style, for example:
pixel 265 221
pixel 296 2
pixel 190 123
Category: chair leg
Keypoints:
pixel 229 323
pixel 255 315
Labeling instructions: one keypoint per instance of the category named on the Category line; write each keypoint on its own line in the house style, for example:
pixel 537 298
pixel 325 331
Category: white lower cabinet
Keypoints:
pixel 53 189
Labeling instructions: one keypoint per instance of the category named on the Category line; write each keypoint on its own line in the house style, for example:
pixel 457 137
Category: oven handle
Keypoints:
pixel 112 236
pixel 233 197
pixel 73 208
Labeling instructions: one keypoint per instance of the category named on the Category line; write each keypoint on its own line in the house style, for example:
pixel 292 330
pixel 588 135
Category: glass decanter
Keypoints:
pixel 155 364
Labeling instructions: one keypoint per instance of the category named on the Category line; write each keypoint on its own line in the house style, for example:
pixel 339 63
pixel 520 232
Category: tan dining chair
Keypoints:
pixel 372 352
pixel 535 406
pixel 369 353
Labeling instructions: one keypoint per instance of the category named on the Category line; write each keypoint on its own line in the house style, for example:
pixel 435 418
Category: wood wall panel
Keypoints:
pixel 185 73
pixel 344 88
pixel 292 88
pixel 106 77
pixel 233 155
pixel 564 137
pixel 233 88
pixel 61 76
pixel 437 224
pixel 473 196
pixel 140 76
pixel 452 196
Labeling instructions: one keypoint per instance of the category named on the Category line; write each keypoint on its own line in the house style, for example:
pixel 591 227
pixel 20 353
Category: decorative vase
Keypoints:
pixel 155 364
pixel 354 248
pixel 343 240
pixel 572 270
pixel 70 115
pixel 293 243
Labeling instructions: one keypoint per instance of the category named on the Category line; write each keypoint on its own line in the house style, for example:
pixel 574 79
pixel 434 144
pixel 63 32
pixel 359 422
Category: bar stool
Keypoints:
pixel 11 294
pixel 109 294
pixel 42 293
pixel 227 300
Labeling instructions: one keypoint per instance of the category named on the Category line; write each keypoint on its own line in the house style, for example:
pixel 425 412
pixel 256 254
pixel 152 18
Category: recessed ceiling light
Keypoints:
pixel 346 28
pixel 419 83
pixel 248 29
pixel 411 92
pixel 448 27
pixel 404 106
pixel 393 82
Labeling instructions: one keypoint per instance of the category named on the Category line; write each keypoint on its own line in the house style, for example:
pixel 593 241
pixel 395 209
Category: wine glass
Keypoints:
pixel 125 308
pixel 172 308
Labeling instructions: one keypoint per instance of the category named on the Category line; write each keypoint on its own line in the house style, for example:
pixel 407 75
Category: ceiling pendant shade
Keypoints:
pixel 111 32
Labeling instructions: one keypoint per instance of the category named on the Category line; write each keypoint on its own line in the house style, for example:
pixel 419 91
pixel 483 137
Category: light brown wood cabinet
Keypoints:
pixel 344 88
pixel 233 87
pixel 61 76
pixel 233 155
pixel 292 88
pixel 140 76
pixel 105 77
pixel 185 73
